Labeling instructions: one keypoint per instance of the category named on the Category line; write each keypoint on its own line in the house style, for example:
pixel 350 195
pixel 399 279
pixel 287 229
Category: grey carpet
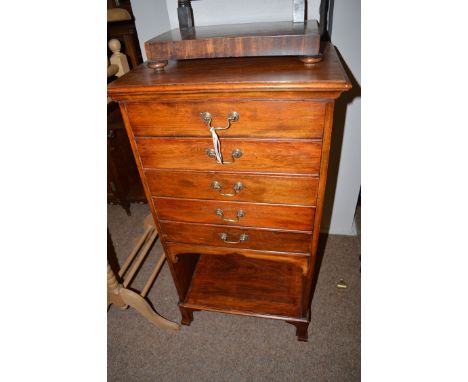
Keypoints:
pixel 218 347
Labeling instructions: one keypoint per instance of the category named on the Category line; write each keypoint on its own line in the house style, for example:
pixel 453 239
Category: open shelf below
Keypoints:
pixel 241 285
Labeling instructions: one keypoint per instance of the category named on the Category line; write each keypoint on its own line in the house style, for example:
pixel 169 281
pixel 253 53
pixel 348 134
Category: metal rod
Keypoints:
pixel 135 250
pixel 185 14
pixel 153 276
pixel 144 251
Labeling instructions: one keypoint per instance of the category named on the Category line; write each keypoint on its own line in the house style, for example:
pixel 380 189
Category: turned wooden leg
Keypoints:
pixel 301 330
pixel 187 316
pixel 157 65
pixel 113 289
pixel 144 308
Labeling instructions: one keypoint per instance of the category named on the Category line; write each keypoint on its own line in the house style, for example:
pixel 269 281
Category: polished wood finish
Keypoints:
pixel 262 239
pixel 237 284
pixel 247 78
pixel 320 199
pixel 312 60
pixel 267 188
pixel 244 214
pixel 177 251
pixel 276 156
pixel 259 119
pixel 282 171
pixel 281 38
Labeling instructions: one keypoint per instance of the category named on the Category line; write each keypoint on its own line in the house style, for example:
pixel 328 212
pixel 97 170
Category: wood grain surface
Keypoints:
pixel 236 40
pixel 262 119
pixel 178 252
pixel 284 134
pixel 267 155
pixel 251 74
pixel 255 214
pixel 261 239
pixel 261 188
pixel 234 284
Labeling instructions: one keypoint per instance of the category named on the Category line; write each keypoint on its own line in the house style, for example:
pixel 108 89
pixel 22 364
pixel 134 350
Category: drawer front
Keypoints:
pixel 280 189
pixel 289 156
pixel 268 119
pixel 174 250
pixel 260 239
pixel 236 213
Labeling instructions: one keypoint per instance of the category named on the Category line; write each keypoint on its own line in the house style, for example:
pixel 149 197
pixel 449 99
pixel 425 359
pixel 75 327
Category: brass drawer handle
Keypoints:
pixel 224 237
pixel 236 154
pixel 220 213
pixel 215 152
pixel 231 117
pixel 237 188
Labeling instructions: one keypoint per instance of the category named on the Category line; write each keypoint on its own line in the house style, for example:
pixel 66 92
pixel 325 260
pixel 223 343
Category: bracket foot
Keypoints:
pixel 301 330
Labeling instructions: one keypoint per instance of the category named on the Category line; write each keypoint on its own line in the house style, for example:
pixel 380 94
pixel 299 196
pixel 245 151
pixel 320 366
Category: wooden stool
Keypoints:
pixel 119 294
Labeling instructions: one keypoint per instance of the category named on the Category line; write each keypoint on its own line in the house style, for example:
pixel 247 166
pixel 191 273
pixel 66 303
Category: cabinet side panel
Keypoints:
pixel 309 284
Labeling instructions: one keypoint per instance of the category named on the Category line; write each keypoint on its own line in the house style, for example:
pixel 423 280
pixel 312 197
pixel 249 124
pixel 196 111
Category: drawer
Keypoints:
pixel 281 189
pixel 289 156
pixel 268 119
pixel 261 239
pixel 236 213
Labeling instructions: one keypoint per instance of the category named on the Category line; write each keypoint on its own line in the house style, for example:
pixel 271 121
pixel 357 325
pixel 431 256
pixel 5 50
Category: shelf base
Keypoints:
pixel 240 285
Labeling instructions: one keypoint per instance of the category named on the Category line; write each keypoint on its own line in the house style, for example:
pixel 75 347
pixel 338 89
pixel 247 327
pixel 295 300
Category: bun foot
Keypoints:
pixel 157 65
pixel 312 60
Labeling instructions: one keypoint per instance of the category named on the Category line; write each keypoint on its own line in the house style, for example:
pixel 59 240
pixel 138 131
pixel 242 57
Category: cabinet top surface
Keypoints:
pixel 236 74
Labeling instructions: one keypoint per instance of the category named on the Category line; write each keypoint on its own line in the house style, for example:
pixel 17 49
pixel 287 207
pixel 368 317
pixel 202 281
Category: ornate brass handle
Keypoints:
pixel 220 213
pixel 231 117
pixel 236 154
pixel 237 188
pixel 224 237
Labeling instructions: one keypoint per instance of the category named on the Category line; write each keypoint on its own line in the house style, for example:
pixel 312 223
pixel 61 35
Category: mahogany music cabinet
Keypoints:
pixel 233 155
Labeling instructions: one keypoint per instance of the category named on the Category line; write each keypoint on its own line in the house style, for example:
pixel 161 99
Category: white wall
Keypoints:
pixel 157 16
pixel 346 36
pixel 151 19
pixel 213 12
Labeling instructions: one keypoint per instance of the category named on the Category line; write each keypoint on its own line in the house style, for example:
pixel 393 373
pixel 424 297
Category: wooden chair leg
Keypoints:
pixel 143 307
pixel 113 290
pixel 121 296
